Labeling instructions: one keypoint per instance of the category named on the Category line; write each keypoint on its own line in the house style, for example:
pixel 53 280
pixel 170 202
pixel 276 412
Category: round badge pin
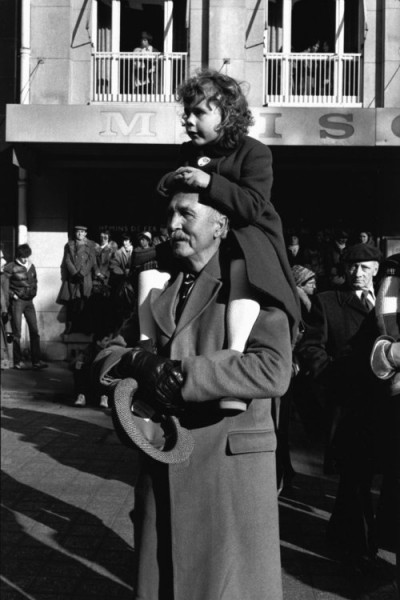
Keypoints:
pixel 203 161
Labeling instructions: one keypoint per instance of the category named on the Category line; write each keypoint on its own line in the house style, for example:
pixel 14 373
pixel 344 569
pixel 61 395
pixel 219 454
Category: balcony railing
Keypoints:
pixel 135 77
pixel 302 79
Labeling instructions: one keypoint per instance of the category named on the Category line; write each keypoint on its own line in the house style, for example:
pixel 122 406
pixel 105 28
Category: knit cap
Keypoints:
pixel 302 274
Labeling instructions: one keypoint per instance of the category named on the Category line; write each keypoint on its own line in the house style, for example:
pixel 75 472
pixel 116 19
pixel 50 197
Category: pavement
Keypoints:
pixel 68 493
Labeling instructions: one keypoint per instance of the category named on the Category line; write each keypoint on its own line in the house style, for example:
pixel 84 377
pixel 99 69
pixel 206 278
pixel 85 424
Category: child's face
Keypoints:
pixel 201 121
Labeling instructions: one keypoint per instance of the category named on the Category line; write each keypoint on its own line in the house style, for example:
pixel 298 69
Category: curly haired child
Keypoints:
pixel 233 174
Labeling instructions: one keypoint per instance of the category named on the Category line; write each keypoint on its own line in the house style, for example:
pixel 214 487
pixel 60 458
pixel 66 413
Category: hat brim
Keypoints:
pixel 379 363
pixel 159 436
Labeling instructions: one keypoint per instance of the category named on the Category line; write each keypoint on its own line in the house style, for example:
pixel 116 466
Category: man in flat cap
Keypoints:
pixel 336 350
pixel 78 268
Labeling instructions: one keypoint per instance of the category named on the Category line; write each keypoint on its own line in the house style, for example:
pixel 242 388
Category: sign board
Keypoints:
pixel 161 124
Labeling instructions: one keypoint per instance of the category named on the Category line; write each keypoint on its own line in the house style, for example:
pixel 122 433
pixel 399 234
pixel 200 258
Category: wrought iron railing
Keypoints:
pixel 137 77
pixel 303 79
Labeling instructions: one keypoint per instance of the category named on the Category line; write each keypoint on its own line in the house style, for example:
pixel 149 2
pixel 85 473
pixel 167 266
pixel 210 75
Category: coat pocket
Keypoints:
pixel 245 442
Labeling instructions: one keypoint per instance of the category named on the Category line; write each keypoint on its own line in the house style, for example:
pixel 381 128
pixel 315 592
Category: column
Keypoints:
pixel 168 38
pixel 115 39
pixel 227 37
pixel 286 47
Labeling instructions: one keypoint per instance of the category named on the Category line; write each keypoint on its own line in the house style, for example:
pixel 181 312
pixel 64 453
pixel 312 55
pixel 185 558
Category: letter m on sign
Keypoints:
pixel 115 124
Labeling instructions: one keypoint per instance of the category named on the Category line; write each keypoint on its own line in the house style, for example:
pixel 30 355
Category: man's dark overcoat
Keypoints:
pixel 79 258
pixel 336 349
pixel 208 528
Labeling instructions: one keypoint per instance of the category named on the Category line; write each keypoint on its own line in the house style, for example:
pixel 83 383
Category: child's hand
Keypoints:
pixel 195 178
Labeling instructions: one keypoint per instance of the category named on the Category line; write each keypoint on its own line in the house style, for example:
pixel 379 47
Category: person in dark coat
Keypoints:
pixel 333 254
pixel 233 172
pixel 121 281
pixel 78 269
pixel 336 349
pixel 99 310
pixel 20 289
pixel 295 250
pixel 208 527
pixel 104 251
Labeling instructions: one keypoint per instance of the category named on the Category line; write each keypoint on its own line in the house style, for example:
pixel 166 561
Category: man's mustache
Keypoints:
pixel 178 237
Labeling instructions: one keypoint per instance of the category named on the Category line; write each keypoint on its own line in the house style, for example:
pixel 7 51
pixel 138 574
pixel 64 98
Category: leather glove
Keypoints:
pixel 160 379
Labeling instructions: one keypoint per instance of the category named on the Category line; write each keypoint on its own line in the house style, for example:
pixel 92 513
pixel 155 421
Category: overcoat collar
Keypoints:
pixel 206 287
pixel 350 298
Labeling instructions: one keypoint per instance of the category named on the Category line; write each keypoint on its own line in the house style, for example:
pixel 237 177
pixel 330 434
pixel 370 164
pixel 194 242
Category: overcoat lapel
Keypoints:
pixel 353 301
pixel 204 291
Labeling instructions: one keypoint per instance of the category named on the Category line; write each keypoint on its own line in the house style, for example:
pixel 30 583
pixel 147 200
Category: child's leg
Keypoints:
pixel 242 310
pixel 148 280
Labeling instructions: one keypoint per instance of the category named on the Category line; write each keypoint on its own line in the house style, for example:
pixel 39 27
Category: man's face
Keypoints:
pixel 127 244
pixel 104 238
pixel 201 120
pixel 194 229
pixel 361 274
pixel 80 234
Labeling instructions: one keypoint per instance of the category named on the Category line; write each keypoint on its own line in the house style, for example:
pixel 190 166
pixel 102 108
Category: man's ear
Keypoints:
pixel 376 268
pixel 221 227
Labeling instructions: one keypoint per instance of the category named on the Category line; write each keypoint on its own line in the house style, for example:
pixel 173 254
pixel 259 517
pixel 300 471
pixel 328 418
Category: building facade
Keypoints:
pixel 93 123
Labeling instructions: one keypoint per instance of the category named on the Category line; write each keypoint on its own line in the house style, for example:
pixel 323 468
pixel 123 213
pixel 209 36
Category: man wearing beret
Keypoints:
pixel 207 527
pixel 336 350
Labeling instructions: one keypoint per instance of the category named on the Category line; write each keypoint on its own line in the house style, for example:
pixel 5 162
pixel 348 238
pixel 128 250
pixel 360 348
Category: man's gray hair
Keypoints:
pixel 217 216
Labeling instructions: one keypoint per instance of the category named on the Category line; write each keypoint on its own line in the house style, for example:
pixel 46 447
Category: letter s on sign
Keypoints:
pixel 347 130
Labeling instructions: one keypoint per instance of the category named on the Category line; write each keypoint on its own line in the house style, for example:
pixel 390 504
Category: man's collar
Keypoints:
pixel 26 265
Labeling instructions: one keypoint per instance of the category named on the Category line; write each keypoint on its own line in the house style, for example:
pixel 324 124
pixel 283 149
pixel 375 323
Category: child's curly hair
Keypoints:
pixel 228 95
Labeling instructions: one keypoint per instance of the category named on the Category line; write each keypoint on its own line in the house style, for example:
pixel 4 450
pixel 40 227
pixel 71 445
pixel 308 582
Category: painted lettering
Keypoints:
pixel 270 125
pixel 327 122
pixel 115 124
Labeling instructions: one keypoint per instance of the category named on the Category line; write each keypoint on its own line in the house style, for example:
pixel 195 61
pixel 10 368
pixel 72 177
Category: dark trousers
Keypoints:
pixel 25 307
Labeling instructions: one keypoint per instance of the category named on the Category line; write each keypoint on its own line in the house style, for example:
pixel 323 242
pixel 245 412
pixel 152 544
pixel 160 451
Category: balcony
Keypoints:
pixel 303 79
pixel 136 77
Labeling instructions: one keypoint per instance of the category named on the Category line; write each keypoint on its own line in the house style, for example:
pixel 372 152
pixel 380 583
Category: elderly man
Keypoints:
pixel 336 350
pixel 78 268
pixel 207 527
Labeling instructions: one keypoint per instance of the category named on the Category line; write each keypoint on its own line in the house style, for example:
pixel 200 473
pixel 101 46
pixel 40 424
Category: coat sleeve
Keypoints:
pixel 312 350
pixel 262 371
pixel 34 286
pixel 68 262
pixel 5 286
pixel 246 197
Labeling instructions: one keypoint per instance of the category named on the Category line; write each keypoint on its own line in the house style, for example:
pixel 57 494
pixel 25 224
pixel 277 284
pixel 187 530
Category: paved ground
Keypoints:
pixel 67 496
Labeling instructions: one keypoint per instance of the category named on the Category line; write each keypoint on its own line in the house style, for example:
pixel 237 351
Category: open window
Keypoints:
pixel 313 51
pixel 139 49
